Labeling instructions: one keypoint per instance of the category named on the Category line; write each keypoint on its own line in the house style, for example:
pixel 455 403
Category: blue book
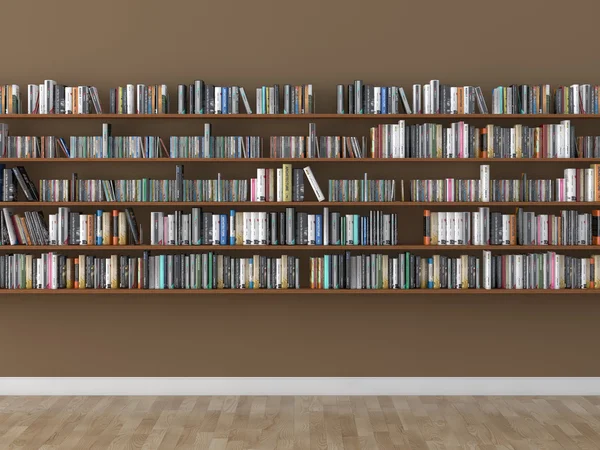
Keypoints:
pixel 224 100
pixel 318 229
pixel 98 227
pixel 250 274
pixel 161 272
pixel 430 279
pixel 224 232
pixel 384 100
pixel 232 229
pixel 264 99
pixel 326 272
pixel 365 230
pixel 355 228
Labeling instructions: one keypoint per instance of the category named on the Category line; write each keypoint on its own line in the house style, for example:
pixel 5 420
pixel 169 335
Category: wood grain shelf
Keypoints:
pixel 301 204
pixel 303 291
pixel 306 117
pixel 304 160
pixel 295 248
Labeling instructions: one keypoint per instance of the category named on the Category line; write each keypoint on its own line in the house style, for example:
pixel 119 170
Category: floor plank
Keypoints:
pixel 294 423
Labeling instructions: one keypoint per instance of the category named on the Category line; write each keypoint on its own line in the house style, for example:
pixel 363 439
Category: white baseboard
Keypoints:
pixel 299 386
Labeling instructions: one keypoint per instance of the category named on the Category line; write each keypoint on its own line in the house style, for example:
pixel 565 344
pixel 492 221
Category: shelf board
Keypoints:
pixel 296 248
pixel 299 204
pixel 302 160
pixel 318 116
pixel 304 291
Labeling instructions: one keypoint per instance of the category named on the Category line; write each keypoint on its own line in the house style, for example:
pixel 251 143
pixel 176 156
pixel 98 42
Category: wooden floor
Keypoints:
pixel 486 423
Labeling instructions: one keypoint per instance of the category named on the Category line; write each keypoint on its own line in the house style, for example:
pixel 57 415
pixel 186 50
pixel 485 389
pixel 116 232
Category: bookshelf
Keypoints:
pixel 390 168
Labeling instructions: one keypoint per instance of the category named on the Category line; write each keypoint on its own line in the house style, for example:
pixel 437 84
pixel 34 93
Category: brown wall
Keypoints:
pixel 324 42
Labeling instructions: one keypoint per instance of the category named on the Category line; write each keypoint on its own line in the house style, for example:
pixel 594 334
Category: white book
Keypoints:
pixel 459 228
pixel 130 93
pixel 32 98
pixel 513 143
pixel 232 229
pixel 476 227
pixel 259 105
pixel 484 183
pixel 39 277
pixel 518 282
pixel 395 141
pixel 584 273
pixel 49 91
pixel 218 95
pixel 505 229
pixel 560 141
pixel 453 100
pixel 278 281
pixel 107 273
pixel 543 238
pixel 442 228
pixel 566 129
pixel 255 228
pixel 261 180
pixel 465 140
pixel 451 226
pixel 279 185
pixel 313 183
pixel 325 226
pixel 570 185
pixel 43 99
pixel 589 185
pixel 377 99
pixel 312 235
pixel 68 100
pixel 487 269
pixel 262 228
pixel 216 229
pixel 171 229
pixel 427 99
pixel 83 229
pixel 271 106
pixel 349 229
pixel 401 138
pixel 247 232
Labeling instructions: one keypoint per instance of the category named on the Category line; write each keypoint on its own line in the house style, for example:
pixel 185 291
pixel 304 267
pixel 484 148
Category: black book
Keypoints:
pixel 32 189
pixel 133 225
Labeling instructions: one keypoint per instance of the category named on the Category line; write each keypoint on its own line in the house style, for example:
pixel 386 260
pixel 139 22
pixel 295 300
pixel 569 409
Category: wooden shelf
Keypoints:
pixel 320 116
pixel 302 160
pixel 304 291
pixel 299 204
pixel 295 248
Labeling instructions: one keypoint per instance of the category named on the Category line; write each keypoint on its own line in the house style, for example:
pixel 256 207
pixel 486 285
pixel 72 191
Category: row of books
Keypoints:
pixel 483 227
pixel 204 98
pixel 180 271
pixel 461 140
pixel 363 190
pixel 51 97
pixel 577 185
pixel 139 99
pixel 430 98
pixel 538 99
pixel 429 140
pixel 68 227
pixel 409 271
pixel 272 228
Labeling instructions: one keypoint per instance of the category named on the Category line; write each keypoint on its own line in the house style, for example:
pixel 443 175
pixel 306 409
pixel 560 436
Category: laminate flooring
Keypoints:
pixel 291 423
